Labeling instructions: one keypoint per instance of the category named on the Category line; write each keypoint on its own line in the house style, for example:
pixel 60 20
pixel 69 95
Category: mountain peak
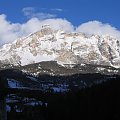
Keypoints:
pixel 65 48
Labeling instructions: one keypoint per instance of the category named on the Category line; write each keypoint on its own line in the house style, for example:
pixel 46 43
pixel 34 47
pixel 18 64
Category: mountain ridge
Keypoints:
pixel 64 48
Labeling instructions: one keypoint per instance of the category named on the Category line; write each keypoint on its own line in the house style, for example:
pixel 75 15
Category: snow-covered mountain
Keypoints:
pixel 65 48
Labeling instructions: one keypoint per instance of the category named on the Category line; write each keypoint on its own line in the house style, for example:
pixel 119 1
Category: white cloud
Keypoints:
pixel 31 12
pixel 35 24
pixel 28 10
pixel 11 31
pixel 96 27
pixel 8 31
pixel 57 9
pixel 58 23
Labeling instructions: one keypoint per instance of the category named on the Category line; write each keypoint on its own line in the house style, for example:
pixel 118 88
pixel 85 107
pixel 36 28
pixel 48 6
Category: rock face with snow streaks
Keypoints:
pixel 65 48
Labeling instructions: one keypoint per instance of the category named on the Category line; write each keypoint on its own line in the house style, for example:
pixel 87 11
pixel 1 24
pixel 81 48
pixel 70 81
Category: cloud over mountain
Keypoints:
pixel 10 31
pixel 96 27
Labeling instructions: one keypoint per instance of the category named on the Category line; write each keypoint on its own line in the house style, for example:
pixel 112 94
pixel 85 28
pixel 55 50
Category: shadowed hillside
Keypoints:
pixel 101 101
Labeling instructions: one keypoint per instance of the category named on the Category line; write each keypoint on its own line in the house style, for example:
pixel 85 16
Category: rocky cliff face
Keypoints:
pixel 65 48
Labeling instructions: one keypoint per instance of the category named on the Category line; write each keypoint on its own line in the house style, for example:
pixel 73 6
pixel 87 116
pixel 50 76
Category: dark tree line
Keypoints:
pixel 100 102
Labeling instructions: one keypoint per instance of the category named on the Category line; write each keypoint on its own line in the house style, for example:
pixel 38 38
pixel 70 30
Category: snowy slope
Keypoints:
pixel 65 48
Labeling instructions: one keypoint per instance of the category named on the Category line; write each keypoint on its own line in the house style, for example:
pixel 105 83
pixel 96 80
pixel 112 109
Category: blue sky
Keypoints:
pixel 20 18
pixel 75 11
